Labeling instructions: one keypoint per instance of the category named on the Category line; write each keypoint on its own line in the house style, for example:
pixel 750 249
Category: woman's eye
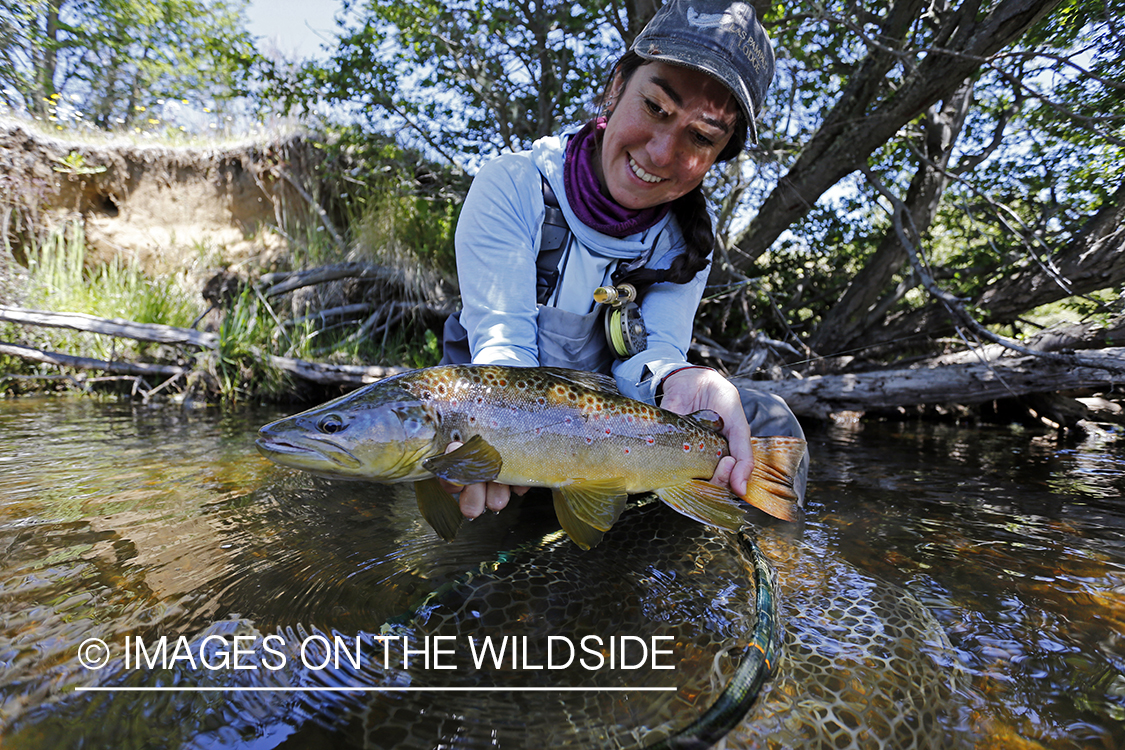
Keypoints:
pixel 330 424
pixel 703 140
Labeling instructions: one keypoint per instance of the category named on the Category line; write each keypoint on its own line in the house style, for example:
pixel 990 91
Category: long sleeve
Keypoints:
pixel 497 240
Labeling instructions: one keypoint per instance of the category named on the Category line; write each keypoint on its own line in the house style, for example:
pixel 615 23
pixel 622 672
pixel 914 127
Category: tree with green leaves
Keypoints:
pixel 925 168
pixel 113 60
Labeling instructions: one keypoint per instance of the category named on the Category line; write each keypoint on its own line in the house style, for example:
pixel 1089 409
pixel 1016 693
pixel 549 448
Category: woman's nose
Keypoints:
pixel 661 149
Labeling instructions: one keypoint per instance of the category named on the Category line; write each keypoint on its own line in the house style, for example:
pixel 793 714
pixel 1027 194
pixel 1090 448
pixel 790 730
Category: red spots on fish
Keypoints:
pixel 687 447
pixel 702 446
pixel 718 454
pixel 608 431
pixel 627 450
pixel 650 439
pixel 495 424
pixel 589 440
pixel 541 401
pixel 538 430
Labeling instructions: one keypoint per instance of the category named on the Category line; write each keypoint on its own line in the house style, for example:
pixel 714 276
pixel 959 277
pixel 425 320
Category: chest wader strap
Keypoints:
pixel 552 245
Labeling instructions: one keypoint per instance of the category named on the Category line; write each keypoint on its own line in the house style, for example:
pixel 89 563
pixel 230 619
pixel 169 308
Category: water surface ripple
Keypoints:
pixel 949 587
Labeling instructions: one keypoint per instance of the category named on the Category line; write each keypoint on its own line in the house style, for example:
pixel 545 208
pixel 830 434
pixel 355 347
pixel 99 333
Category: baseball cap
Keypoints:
pixel 722 38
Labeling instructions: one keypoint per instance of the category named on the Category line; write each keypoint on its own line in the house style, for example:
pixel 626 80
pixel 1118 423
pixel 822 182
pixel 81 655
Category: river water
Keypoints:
pixel 948 587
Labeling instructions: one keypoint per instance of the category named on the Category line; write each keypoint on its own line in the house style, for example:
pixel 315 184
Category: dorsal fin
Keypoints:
pixel 592 380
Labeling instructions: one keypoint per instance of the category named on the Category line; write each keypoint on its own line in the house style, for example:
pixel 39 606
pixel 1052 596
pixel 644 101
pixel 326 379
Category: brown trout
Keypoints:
pixel 567 430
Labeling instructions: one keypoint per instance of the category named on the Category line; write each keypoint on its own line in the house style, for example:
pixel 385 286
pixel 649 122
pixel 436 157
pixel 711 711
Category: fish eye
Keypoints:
pixel 330 423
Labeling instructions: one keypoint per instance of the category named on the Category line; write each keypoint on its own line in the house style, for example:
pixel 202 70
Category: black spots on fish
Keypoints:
pixel 455 436
pixel 541 401
pixel 522 384
pixel 589 440
pixel 472 419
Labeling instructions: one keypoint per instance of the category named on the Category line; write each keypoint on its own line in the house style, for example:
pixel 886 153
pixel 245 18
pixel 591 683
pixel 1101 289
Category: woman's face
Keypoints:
pixel 665 130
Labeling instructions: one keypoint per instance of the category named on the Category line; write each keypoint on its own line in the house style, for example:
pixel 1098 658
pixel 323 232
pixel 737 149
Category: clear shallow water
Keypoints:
pixel 120 522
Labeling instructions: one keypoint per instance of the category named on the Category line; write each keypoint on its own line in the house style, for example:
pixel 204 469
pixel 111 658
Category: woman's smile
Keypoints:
pixel 666 127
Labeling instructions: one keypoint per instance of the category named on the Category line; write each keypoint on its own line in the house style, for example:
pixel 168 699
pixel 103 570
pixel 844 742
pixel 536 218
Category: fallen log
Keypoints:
pixel 821 396
pixel 153 332
pixel 88 363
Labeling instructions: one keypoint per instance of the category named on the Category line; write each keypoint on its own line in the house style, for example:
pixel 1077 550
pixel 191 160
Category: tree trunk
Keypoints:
pixel 860 307
pixel 855 127
pixel 1094 259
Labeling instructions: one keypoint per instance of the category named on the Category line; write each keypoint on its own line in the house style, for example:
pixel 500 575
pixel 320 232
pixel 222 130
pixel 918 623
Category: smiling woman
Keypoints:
pixel 591 250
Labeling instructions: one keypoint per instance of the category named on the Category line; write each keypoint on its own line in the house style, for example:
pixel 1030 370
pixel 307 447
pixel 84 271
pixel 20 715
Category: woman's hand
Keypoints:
pixel 474 498
pixel 695 388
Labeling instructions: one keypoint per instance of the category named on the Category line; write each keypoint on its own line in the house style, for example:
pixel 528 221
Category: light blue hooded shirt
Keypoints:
pixel 497 241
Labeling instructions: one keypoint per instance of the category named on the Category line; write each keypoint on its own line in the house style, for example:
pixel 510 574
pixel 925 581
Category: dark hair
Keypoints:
pixel 690 209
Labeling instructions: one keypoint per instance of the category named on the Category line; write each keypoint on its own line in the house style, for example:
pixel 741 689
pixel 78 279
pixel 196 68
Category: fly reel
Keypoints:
pixel 625 330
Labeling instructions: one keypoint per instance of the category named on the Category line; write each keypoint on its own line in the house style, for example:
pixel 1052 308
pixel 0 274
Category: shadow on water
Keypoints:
pixel 948 587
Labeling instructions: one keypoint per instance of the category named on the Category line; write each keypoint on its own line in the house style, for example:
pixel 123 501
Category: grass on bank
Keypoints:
pixel 384 226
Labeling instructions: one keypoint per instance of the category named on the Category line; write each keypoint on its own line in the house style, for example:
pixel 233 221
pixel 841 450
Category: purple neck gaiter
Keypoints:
pixel 584 192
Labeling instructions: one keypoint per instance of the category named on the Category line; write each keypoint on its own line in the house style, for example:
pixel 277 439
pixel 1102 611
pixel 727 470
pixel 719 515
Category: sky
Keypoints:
pixel 296 28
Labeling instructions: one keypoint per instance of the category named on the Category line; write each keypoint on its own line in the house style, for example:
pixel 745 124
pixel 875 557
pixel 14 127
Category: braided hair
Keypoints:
pixel 690 209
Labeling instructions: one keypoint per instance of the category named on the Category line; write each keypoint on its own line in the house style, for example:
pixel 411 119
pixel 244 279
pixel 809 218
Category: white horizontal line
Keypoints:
pixel 388 689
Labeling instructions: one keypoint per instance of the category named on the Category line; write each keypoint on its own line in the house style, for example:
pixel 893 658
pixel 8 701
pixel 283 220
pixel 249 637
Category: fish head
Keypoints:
pixel 380 433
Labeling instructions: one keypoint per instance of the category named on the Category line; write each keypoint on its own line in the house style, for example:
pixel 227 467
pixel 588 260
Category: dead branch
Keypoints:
pixel 160 334
pixel 901 216
pixel 286 281
pixel 88 363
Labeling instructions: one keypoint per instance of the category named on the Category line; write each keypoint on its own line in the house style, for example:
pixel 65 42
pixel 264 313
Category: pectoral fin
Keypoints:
pixel 439 508
pixel 776 461
pixel 582 533
pixel 705 502
pixel 475 461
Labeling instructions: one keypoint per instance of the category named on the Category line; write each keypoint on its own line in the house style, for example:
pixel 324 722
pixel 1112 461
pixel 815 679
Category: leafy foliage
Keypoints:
pixel 115 60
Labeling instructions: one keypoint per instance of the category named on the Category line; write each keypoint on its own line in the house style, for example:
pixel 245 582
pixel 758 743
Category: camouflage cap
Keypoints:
pixel 722 38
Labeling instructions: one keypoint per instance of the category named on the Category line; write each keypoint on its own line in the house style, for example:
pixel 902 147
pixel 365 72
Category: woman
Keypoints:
pixel 630 211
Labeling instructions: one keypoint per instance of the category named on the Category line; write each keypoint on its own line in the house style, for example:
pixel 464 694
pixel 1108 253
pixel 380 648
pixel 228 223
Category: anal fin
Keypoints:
pixel 705 502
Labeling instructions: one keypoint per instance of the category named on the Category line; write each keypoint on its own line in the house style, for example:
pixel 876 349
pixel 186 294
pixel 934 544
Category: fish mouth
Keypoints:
pixel 306 453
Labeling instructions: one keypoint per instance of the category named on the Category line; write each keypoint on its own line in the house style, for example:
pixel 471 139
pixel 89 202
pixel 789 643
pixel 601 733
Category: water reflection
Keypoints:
pixel 948 587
